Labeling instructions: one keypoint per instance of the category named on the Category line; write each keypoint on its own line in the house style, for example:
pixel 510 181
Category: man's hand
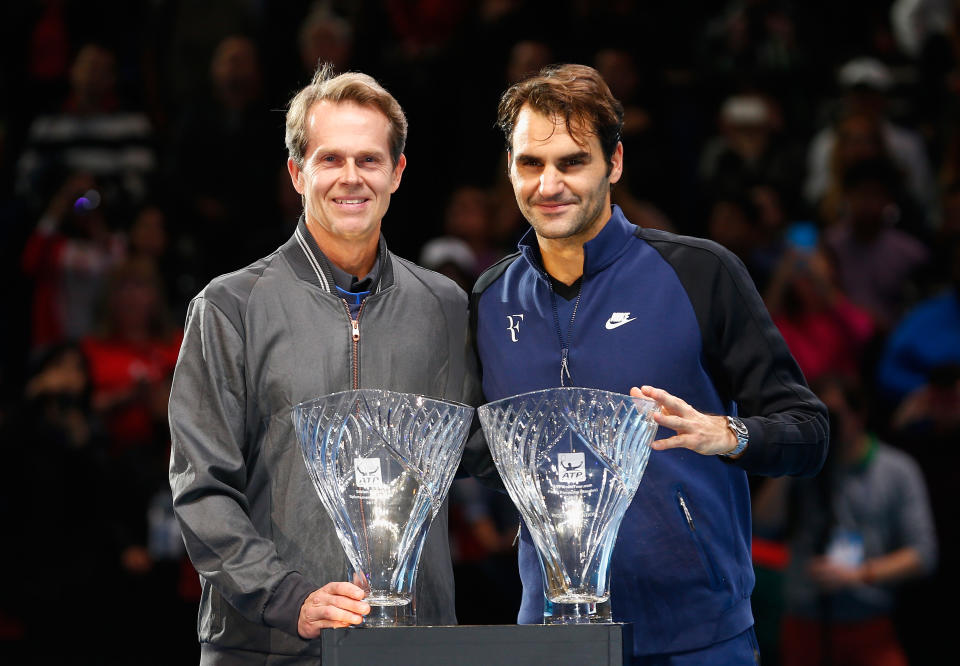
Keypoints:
pixel 704 433
pixel 334 605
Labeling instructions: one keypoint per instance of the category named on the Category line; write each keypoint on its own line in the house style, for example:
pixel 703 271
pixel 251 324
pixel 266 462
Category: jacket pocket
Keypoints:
pixel 687 514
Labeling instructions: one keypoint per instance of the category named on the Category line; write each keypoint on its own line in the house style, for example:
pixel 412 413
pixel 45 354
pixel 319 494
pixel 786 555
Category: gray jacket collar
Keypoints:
pixel 311 264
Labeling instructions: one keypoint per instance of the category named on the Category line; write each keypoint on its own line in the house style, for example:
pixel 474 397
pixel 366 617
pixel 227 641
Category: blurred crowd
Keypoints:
pixel 141 154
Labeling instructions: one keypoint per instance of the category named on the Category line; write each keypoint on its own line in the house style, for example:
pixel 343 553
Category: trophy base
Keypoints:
pixel 389 615
pixel 576 610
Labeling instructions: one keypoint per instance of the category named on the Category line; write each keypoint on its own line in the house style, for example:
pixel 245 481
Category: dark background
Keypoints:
pixel 217 179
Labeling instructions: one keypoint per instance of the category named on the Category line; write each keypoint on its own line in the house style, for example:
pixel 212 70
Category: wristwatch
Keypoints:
pixel 743 436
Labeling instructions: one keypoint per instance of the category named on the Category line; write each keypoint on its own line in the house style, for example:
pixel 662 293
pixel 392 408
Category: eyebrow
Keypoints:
pixel 581 155
pixel 374 152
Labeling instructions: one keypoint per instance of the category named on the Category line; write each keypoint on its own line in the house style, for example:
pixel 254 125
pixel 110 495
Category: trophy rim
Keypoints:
pixel 567 389
pixel 326 396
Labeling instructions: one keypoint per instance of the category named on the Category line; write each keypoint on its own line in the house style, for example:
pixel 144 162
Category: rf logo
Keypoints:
pixel 513 325
pixel 571 467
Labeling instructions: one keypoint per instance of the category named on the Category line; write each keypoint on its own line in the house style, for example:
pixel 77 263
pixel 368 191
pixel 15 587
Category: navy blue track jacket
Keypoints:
pixel 681 314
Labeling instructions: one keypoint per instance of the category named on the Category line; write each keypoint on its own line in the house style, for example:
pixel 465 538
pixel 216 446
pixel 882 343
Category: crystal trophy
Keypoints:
pixel 571 459
pixel 382 463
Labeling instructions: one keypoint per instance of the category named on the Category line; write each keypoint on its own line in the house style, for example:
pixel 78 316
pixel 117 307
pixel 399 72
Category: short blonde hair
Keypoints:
pixel 348 87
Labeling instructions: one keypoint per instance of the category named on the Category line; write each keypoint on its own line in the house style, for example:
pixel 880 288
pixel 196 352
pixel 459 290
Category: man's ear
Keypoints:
pixel 398 172
pixel 616 163
pixel 296 175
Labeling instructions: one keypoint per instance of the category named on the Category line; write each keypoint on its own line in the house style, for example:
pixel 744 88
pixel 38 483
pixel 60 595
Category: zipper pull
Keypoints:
pixel 356 330
pixel 564 366
pixel 686 512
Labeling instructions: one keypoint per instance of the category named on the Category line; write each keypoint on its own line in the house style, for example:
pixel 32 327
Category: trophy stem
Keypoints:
pixel 587 612
pixel 390 616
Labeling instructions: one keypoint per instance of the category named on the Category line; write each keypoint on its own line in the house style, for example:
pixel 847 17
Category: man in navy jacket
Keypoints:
pixel 592 300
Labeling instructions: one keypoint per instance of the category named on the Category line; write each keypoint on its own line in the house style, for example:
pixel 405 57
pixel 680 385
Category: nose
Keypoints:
pixel 350 174
pixel 551 183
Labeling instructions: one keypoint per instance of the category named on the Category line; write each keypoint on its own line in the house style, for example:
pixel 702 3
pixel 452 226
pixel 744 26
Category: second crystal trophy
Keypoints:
pixel 382 463
pixel 571 459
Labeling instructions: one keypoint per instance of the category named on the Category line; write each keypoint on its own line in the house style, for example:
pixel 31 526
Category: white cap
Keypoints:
pixel 868 72
pixel 447 249
pixel 745 110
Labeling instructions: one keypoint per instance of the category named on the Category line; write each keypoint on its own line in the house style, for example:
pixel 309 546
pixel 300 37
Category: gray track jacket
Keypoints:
pixel 257 342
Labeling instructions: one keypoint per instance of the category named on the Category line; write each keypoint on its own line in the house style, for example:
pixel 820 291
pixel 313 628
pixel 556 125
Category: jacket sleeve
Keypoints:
pixel 752 366
pixel 208 471
pixel 747 359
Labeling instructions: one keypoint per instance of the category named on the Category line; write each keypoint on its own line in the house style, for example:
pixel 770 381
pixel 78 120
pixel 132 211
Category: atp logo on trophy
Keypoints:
pixel 571 467
pixel 367 472
pixel 382 463
pixel 572 503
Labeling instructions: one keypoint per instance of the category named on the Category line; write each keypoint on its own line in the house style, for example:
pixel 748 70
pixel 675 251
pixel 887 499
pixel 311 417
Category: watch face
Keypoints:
pixel 737 426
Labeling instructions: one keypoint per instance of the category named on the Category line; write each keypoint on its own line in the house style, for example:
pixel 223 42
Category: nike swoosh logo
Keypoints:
pixel 614 324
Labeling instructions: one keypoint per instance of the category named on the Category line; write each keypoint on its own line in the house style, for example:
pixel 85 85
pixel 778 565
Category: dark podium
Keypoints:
pixel 480 645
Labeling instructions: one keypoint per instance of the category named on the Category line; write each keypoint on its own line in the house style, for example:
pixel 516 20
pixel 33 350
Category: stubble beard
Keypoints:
pixel 580 225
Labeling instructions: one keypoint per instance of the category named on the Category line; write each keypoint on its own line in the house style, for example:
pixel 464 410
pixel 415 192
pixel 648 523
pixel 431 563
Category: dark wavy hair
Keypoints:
pixel 576 93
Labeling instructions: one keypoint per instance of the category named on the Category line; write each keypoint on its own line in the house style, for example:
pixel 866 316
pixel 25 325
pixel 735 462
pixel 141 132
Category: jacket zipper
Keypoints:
pixel 716 581
pixel 564 343
pixel 686 512
pixel 355 334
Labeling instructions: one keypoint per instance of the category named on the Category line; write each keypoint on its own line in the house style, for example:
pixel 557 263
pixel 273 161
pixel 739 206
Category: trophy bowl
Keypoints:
pixel 571 460
pixel 382 463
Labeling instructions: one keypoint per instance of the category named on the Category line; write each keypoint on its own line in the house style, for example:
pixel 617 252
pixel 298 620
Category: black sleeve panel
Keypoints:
pixel 476 455
pixel 748 359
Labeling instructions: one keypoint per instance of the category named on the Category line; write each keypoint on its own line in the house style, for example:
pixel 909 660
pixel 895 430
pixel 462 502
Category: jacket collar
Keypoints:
pixel 598 253
pixel 311 264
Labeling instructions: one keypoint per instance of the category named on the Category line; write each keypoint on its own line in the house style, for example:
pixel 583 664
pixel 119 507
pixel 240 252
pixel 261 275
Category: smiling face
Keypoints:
pixel 347 175
pixel 562 187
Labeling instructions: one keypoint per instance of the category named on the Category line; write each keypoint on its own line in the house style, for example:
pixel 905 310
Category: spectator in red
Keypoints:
pixel 132 362
pixel 67 258
pixel 823 329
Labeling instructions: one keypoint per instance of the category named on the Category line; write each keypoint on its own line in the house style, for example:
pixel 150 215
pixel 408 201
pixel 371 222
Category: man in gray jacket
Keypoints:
pixel 330 310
